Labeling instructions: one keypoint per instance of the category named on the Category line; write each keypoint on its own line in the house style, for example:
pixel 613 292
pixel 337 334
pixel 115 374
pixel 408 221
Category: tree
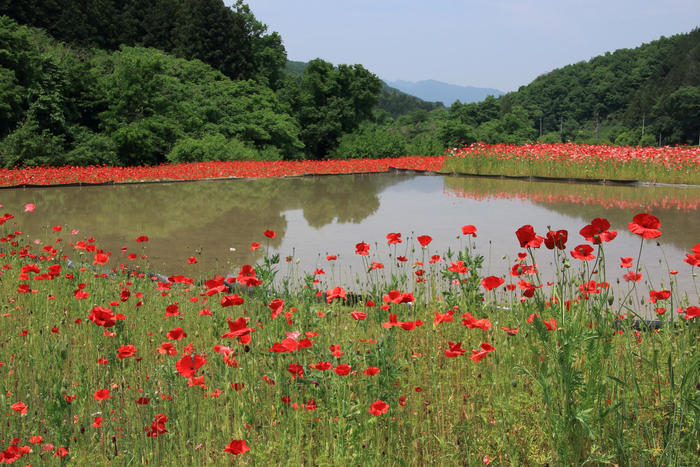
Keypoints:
pixel 329 101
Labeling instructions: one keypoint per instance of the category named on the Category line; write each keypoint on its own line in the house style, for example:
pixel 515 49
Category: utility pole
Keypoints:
pixel 643 115
pixel 561 126
pixel 596 124
pixel 540 127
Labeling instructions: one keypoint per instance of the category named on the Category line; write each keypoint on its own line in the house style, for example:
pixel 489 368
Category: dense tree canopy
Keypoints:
pixel 329 101
pixel 143 82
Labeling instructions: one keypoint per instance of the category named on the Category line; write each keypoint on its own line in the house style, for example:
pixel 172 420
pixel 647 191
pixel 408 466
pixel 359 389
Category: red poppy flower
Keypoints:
pixel 393 238
pixel 254 246
pixel 358 315
pixel 378 407
pixel 100 259
pixel 583 252
pixel 491 282
pixel 331 257
pixel 692 259
pixel 442 318
pixel 551 324
pixel 276 305
pixel 237 446
pixel 655 295
pixel 191 260
pixel 362 249
pixel 270 233
pixel 626 262
pixel 424 240
pixel 478 355
pixel 342 369
pixel 471 322
pixel 231 300
pixel 102 317
pixel 29 207
pixel 141 238
pixel 187 366
pixel 167 348
pixel 457 267
pixel 556 239
pixel 296 370
pixel 126 351
pixel 510 332
pixel 176 334
pixel 455 350
pixel 322 366
pixel 692 312
pixel 645 225
pixel 397 297
pixel 632 276
pixel 371 371
pixel 336 292
pixel 238 328
pixel 102 394
pixel 469 230
pixel 157 427
pixel 19 407
pixel 527 237
pixel 597 231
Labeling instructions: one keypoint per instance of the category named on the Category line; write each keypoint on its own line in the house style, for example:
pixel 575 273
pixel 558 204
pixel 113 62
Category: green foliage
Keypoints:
pixel 425 145
pixel 376 142
pixel 91 148
pixel 551 137
pixel 329 101
pixel 128 104
pixel 129 107
pixel 231 40
pixel 211 147
pixel 29 144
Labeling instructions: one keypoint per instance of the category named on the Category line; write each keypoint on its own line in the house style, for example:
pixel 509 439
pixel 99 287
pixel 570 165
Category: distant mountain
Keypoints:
pixel 437 91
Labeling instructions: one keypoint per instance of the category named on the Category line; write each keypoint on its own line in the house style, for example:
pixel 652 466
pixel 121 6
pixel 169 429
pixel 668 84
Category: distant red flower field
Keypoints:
pixel 569 160
pixel 210 170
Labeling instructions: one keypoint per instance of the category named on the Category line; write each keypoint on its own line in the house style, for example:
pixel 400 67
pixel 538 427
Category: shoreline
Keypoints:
pixel 390 169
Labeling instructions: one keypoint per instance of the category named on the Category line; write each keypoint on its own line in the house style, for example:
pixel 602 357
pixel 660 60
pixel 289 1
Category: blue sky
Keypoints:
pixel 500 44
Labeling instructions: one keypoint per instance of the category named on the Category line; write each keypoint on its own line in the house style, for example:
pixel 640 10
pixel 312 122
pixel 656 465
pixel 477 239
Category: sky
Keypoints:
pixel 502 44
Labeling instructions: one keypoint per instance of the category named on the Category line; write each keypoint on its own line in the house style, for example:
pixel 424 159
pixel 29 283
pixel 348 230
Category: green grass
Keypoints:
pixel 505 165
pixel 593 390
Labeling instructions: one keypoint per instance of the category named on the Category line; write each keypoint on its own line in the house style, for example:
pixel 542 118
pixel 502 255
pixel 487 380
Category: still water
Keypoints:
pixel 216 221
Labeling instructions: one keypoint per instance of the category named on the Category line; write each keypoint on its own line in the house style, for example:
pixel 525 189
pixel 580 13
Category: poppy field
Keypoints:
pixel 44 176
pixel 666 164
pixel 424 361
pixel 678 165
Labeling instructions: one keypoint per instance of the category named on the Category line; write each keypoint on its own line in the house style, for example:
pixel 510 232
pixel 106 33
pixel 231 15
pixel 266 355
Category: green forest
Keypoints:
pixel 126 82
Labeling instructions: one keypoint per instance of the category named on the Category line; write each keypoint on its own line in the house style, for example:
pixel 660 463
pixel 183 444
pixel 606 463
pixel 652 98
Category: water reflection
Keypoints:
pixel 313 217
pixel 677 207
pixel 218 219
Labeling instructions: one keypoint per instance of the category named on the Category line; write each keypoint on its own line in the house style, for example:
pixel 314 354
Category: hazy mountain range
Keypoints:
pixel 436 91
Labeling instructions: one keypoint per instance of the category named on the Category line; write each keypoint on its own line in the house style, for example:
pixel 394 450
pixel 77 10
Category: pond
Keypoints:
pixel 313 217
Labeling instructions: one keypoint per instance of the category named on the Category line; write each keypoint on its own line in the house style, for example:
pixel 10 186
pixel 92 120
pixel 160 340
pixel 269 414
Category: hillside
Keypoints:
pixel 148 81
pixel 391 100
pixel 655 86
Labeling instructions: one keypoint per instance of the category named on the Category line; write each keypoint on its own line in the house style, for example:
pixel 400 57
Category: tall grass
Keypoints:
pixel 583 162
pixel 588 388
